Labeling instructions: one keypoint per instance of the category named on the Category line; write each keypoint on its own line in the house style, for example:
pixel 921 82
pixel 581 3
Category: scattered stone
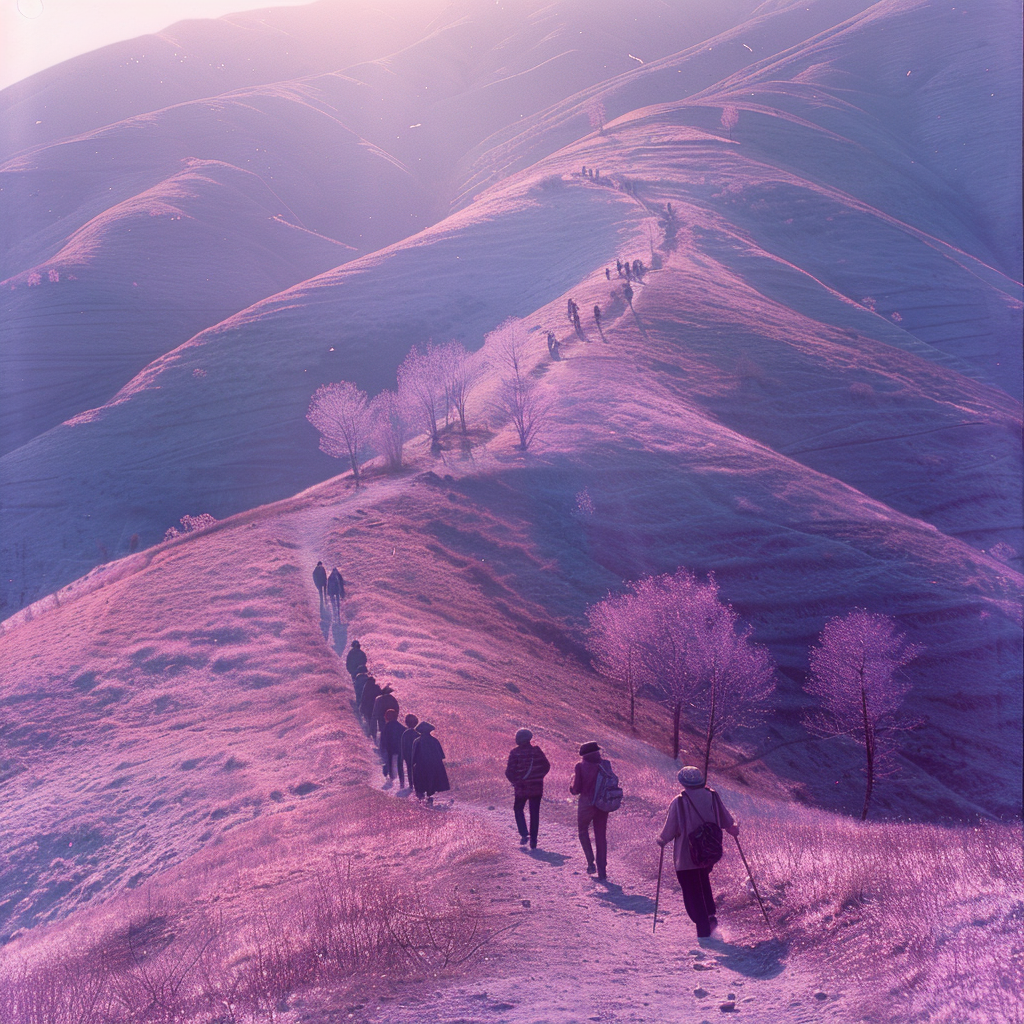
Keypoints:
pixel 703 967
pixel 731 995
pixel 821 995
pixel 526 903
pixel 700 993
pixel 729 1007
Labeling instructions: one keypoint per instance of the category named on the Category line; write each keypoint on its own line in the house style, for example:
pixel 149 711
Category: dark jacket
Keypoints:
pixel 386 700
pixel 391 738
pixel 429 773
pixel 319 576
pixel 583 778
pixel 526 769
pixel 355 660
pixel 359 681
pixel 335 584
pixel 371 691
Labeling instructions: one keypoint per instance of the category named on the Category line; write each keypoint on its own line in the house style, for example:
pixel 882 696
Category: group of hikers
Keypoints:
pixel 694 825
pixel 409 750
pixel 330 587
pixel 695 821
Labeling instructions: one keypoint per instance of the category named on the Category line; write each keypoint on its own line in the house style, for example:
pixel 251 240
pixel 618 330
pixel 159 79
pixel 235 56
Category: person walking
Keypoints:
pixel 428 771
pixel 336 591
pixel 391 747
pixel 359 681
pixel 409 737
pixel 584 779
pixel 689 814
pixel 320 579
pixel 526 769
pixel 385 700
pixel 355 660
pixel 371 691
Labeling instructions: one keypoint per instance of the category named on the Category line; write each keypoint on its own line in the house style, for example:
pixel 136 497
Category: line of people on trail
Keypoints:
pixel 331 588
pixel 694 825
pixel 411 750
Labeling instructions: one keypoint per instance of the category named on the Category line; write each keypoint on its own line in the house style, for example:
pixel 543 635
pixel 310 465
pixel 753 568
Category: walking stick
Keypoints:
pixel 657 894
pixel 754 884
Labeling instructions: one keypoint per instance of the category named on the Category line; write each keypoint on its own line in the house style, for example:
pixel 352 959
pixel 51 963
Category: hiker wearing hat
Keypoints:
pixel 429 775
pixel 526 769
pixel 584 779
pixel 355 660
pixel 384 701
pixel 695 821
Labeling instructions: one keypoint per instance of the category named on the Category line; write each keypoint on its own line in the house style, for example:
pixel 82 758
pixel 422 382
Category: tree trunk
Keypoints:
pixel 676 712
pixel 869 751
pixel 632 709
pixel 711 731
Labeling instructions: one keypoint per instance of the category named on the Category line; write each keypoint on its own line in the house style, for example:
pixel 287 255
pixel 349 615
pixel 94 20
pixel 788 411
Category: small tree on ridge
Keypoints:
pixel 854 673
pixel 341 413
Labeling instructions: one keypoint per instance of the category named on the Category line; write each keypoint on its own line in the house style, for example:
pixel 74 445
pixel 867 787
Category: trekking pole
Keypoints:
pixel 657 894
pixel 750 875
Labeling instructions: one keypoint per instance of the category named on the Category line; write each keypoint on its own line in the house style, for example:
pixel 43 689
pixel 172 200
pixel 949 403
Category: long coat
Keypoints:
pixel 429 774
pixel 371 691
pixel 526 769
pixel 355 660
pixel 391 739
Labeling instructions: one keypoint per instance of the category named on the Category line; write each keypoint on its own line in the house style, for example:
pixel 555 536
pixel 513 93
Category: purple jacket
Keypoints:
pixel 583 779
pixel 685 814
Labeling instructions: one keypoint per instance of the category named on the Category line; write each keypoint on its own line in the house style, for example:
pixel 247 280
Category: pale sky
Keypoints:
pixel 35 34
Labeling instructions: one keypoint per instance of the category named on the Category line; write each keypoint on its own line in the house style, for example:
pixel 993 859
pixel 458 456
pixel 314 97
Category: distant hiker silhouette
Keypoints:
pixel 320 579
pixel 552 345
pixel 428 771
pixel 695 822
pixel 607 274
pixel 582 784
pixel 526 769
pixel 336 590
pixel 409 737
pixel 618 267
pixel 359 681
pixel 628 292
pixel 371 691
pixel 391 746
pixel 355 660
pixel 597 316
pixel 385 701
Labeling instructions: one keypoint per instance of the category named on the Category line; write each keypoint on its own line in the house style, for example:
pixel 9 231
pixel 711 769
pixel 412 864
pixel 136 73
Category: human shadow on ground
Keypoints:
pixel 325 620
pixel 555 859
pixel 617 897
pixel 765 960
pixel 340 637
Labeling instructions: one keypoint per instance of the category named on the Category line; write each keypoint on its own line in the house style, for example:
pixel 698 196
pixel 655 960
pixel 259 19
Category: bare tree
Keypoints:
pixel 342 415
pixel 596 115
pixel 730 118
pixel 389 427
pixel 518 397
pixel 614 642
pixel 421 387
pixel 855 674
pixel 460 375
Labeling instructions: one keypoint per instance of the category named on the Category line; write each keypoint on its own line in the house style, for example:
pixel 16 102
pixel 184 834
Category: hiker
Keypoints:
pixel 597 315
pixel 359 681
pixel 552 345
pixel 355 660
pixel 576 319
pixel 582 785
pixel 526 769
pixel 607 274
pixel 336 590
pixel 371 691
pixel 320 579
pixel 429 775
pixel 638 269
pixel 391 747
pixel 697 849
pixel 385 700
pixel 618 267
pixel 409 737
pixel 628 292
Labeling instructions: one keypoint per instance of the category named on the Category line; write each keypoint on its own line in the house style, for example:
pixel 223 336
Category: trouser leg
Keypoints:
pixel 692 883
pixel 534 818
pixel 583 824
pixel 601 839
pixel 408 772
pixel 401 771
pixel 517 810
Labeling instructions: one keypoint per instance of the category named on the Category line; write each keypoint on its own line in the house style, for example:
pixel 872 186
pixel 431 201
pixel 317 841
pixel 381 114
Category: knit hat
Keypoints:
pixel 691 777
pixel 523 736
pixel 355 643
pixel 590 748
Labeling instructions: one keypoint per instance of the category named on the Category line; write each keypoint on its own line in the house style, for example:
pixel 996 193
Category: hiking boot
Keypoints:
pixel 533 844
pixel 602 876
pixel 523 840
pixel 591 868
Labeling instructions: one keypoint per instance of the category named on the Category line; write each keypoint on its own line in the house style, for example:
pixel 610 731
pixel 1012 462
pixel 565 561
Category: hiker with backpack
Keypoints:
pixel 336 591
pixel 526 769
pixel 320 579
pixel 597 786
pixel 695 822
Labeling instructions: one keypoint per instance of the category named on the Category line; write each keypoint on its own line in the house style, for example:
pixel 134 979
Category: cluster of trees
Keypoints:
pixel 434 384
pixel 675 636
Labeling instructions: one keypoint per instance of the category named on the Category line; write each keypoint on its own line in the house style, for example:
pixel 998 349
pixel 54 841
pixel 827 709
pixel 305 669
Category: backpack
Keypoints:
pixel 607 791
pixel 705 841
